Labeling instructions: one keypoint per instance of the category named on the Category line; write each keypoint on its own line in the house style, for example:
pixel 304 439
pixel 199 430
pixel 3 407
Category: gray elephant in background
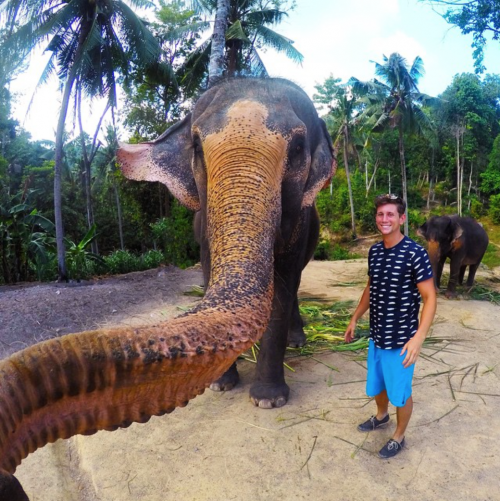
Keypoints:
pixel 462 239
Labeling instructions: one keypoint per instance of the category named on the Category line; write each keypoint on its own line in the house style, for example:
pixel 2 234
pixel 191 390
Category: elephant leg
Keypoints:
pixel 461 274
pixel 270 389
pixel 296 334
pixel 227 381
pixel 440 267
pixel 472 274
pixel 10 488
pixel 454 273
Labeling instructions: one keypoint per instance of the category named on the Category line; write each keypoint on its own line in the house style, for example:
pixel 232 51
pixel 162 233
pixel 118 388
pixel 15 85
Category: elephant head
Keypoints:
pixel 251 156
pixel 443 236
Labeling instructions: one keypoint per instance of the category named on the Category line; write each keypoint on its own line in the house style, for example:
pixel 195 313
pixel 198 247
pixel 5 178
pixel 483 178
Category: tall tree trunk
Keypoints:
pixel 349 187
pixel 87 169
pixel 62 273
pixel 119 211
pixel 403 175
pixel 459 188
pixel 216 65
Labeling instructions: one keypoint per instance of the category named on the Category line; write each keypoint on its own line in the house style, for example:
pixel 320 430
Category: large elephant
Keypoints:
pixel 250 158
pixel 462 239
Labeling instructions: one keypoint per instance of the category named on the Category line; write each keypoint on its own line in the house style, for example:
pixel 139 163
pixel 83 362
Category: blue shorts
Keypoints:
pixel 386 372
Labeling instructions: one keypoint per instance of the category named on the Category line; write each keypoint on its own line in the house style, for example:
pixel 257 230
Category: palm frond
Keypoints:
pixel 266 16
pixel 195 68
pixel 236 32
pixel 180 32
pixel 203 6
pixel 257 67
pixel 140 41
pixel 280 43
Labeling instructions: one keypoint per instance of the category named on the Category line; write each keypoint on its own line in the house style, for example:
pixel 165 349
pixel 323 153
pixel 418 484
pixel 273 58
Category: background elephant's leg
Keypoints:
pixel 227 381
pixel 454 273
pixel 461 274
pixel 440 272
pixel 296 334
pixel 472 274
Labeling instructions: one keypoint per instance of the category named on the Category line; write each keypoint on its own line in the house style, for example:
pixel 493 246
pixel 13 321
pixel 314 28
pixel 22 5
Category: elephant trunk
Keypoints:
pixel 109 378
pixel 434 252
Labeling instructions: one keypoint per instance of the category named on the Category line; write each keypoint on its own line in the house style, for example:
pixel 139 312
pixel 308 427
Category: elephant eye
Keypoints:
pixel 197 145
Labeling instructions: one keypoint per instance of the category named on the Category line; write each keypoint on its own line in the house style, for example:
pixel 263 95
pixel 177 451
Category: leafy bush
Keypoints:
pixel 494 211
pixel 174 235
pixel 152 259
pixel 80 262
pixel 122 261
pixel 416 218
pixel 326 251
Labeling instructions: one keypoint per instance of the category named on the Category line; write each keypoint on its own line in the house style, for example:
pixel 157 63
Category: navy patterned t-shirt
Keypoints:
pixel 394 296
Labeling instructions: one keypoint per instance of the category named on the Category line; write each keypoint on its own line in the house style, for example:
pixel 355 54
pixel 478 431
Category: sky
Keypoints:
pixel 336 37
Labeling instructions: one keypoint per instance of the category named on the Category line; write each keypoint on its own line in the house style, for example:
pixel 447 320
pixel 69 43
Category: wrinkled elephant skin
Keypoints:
pixel 250 160
pixel 461 239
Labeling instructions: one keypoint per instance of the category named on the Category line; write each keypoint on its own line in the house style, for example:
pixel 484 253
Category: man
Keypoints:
pixel 400 274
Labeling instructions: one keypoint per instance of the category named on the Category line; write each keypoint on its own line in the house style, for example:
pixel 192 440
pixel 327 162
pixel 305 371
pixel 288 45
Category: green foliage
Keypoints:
pixel 81 262
pixel 328 251
pixel 174 235
pixel 122 261
pixel 25 239
pixel 476 17
pixel 491 176
pixel 494 210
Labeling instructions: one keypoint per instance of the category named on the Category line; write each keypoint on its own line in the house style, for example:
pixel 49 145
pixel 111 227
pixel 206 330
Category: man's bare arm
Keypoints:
pixel 363 306
pixel 413 346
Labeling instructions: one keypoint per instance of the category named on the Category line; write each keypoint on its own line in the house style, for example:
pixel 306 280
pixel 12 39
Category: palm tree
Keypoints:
pixel 396 102
pixel 216 66
pixel 247 31
pixel 89 41
pixel 344 113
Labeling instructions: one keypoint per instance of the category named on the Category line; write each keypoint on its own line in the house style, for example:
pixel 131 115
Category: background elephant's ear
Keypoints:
pixel 166 160
pixel 323 165
pixel 422 231
pixel 457 231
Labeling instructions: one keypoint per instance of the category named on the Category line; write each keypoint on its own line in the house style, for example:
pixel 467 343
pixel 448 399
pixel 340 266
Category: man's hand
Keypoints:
pixel 364 304
pixel 412 349
pixel 350 331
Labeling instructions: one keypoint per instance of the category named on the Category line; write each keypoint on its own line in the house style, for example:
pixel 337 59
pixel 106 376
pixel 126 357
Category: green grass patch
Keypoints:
pixel 492 256
pixel 483 293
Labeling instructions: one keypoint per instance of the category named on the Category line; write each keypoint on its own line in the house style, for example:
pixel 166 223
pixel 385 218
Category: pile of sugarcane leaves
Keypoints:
pixel 325 325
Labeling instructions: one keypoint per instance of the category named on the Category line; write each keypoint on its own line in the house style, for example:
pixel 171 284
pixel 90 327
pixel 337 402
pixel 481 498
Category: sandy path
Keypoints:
pixel 222 448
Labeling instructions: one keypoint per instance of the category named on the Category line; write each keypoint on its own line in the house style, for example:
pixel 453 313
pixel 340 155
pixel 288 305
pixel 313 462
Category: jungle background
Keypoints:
pixel 441 152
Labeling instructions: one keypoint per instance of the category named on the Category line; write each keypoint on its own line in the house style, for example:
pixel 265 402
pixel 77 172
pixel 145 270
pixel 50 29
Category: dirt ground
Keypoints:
pixel 222 448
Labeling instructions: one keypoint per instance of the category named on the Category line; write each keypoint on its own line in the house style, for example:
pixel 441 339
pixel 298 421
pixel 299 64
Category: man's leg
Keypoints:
pixel 403 418
pixel 382 401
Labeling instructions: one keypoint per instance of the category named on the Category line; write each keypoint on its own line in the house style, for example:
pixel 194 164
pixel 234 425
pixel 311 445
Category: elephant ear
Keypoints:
pixel 422 231
pixel 166 160
pixel 323 166
pixel 457 233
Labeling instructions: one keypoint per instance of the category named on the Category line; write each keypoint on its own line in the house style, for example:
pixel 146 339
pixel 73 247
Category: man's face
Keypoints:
pixel 388 219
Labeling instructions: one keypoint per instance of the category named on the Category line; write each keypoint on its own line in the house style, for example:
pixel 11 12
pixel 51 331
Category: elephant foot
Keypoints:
pixel 450 295
pixel 227 381
pixel 296 338
pixel 10 488
pixel 269 395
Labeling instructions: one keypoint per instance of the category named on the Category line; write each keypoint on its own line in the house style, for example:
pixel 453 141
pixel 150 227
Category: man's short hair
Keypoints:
pixel 389 198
